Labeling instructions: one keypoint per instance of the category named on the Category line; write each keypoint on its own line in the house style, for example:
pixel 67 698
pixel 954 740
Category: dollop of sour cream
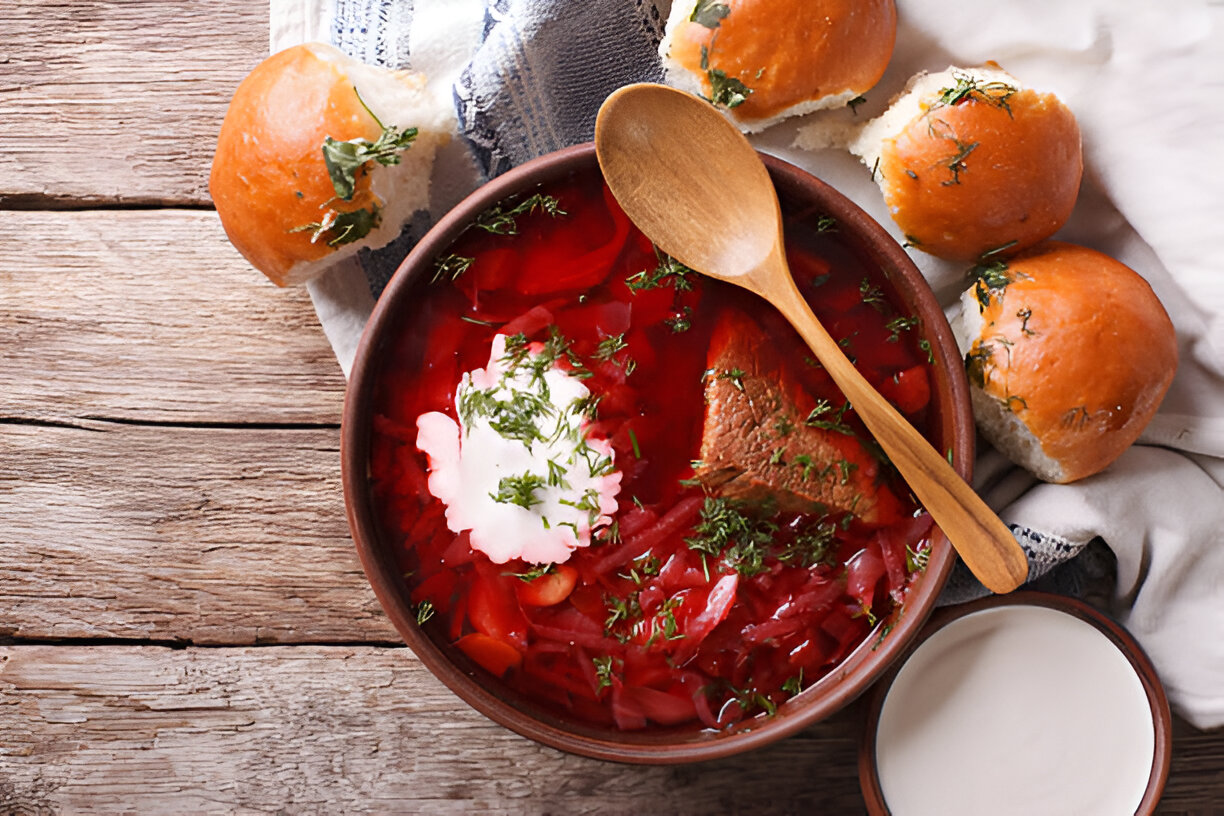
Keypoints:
pixel 518 470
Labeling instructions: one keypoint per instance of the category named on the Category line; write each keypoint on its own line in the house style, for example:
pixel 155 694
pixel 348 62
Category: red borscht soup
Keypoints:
pixel 757 534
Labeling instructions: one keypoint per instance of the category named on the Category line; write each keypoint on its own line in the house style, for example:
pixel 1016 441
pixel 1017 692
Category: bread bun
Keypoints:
pixel 269 180
pixel 1069 354
pixel 789 56
pixel 971 162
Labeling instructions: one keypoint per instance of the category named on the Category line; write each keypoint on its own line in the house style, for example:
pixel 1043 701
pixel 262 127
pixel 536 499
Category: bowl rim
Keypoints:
pixel 869 779
pixel 862 666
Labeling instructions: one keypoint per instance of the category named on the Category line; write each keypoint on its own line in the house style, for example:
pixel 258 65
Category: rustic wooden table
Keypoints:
pixel 184 625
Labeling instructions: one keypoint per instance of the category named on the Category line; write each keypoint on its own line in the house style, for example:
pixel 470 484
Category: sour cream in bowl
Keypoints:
pixel 1015 705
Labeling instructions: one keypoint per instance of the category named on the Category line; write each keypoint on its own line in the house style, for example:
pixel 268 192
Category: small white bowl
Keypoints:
pixel 1021 704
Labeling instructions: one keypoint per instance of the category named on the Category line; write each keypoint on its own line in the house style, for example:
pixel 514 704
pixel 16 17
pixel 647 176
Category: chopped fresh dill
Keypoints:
pixel 724 526
pixel 810 546
pixel 538 571
pixel 835 423
pixel 610 346
pixel 969 87
pixel 338 229
pixel 726 91
pixel 709 13
pixel 976 362
pixel 603 671
pixel 450 267
pixel 989 277
pixel 344 160
pixel 735 375
pixel 916 560
pixel 668 271
pixel 501 221
pixel 519 490
pixel 898 325
pixel 424 611
pixel 681 322
pixel 872 295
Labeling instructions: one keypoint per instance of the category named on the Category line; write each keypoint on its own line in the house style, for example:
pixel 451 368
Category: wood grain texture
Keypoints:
pixel 202 535
pixel 118 102
pixel 339 730
pixel 151 315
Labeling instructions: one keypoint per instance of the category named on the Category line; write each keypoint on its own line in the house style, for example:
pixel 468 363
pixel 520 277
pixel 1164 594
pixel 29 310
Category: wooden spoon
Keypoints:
pixel 695 186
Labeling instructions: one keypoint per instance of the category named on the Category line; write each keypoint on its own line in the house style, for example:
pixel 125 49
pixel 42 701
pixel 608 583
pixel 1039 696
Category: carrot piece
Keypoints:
pixel 549 589
pixel 495 656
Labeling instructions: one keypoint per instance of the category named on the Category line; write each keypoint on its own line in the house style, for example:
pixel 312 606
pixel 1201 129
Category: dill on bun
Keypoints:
pixel 320 155
pixel 764 60
pixel 1069 354
pixel 971 162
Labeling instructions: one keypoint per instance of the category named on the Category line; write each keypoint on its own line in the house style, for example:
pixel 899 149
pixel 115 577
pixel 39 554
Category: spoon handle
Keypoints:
pixel 981 539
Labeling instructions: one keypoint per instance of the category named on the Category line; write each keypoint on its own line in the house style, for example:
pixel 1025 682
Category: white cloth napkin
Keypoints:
pixel 1146 82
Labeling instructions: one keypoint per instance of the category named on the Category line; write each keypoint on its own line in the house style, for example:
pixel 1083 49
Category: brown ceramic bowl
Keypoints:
pixel 869 777
pixel 951 421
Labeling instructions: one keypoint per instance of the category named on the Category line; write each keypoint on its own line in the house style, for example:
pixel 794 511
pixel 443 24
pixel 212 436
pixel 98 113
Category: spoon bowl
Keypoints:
pixel 697 188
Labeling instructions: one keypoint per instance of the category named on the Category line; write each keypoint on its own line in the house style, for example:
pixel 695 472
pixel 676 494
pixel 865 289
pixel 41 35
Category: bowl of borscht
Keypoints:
pixel 618 507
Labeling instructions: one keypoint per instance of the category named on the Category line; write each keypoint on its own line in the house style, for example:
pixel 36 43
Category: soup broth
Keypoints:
pixel 687 606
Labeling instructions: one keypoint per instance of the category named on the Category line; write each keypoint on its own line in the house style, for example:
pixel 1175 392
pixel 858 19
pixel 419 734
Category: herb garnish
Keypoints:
pixel 898 325
pixel 668 270
pixel 519 490
pixel 1025 315
pixel 603 672
pixel 345 160
pixel 872 295
pixel 988 277
pixel 957 163
pixel 835 423
pixel 538 571
pixel 424 611
pixel 976 361
pixel 968 87
pixel 681 322
pixel 709 13
pixel 609 346
pixel 811 546
pixel 501 221
pixel 343 228
pixel 451 266
pixel 735 375
pixel 794 685
pixel 725 526
pixel 725 90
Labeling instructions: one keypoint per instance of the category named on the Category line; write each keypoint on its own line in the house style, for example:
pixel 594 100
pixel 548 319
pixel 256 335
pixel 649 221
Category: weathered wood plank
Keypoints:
pixel 193 534
pixel 360 730
pixel 340 730
pixel 151 315
pixel 119 102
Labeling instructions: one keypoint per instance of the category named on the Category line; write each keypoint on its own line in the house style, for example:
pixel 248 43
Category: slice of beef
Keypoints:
pixel 757 446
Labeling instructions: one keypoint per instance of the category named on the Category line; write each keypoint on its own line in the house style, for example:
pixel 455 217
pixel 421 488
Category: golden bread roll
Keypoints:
pixel 764 60
pixel 972 162
pixel 1069 354
pixel 289 210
